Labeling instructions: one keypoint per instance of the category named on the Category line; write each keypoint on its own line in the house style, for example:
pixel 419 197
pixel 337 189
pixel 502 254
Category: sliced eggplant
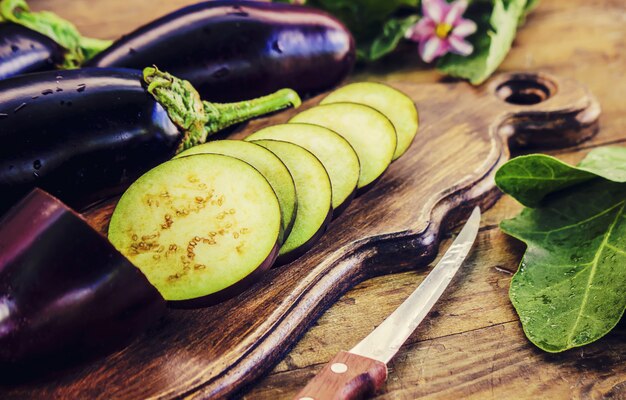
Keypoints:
pixel 267 164
pixel 394 104
pixel 314 198
pixel 335 153
pixel 370 133
pixel 201 228
pixel 66 294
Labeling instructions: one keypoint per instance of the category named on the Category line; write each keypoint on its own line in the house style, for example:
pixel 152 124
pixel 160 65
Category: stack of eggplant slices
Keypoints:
pixel 85 120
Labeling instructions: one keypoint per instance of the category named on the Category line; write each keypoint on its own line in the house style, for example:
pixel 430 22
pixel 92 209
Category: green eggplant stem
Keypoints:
pixel 78 49
pixel 200 119
pixel 223 115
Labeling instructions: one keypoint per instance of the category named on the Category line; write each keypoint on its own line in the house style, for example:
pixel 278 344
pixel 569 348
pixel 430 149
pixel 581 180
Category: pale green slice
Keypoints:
pixel 369 132
pixel 396 106
pixel 267 164
pixel 197 225
pixel 314 197
pixel 335 153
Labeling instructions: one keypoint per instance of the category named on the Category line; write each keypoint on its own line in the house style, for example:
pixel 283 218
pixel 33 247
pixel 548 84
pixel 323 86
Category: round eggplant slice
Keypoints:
pixel 201 228
pixel 314 198
pixel 370 133
pixel 335 153
pixel 394 104
pixel 267 164
pixel 66 294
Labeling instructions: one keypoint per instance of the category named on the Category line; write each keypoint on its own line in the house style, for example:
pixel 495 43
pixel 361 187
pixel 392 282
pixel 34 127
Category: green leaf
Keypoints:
pixel 569 289
pixel 491 42
pixel 78 48
pixel 372 22
pixel 608 162
pixel 388 40
pixel 530 178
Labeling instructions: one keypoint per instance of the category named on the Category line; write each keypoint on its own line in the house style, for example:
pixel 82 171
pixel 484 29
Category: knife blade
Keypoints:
pixel 361 371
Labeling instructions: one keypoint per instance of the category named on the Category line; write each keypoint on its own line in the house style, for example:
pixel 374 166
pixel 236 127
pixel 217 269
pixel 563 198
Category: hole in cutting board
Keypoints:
pixel 525 90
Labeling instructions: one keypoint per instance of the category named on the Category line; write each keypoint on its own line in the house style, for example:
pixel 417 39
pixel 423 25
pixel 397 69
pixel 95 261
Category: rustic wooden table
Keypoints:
pixel 472 345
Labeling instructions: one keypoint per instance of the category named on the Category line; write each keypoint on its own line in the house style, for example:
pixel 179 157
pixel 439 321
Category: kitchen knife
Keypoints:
pixel 361 371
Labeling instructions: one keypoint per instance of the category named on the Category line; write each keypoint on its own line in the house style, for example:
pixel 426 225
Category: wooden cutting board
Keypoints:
pixel 465 134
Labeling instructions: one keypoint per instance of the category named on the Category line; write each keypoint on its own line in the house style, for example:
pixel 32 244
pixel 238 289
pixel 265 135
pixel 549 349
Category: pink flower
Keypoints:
pixel 442 29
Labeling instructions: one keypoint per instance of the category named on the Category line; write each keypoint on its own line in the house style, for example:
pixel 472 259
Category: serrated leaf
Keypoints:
pixel 569 290
pixel 530 178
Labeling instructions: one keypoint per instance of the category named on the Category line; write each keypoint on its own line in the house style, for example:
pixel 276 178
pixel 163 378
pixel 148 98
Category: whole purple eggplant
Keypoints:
pixel 86 134
pixel 40 41
pixel 232 50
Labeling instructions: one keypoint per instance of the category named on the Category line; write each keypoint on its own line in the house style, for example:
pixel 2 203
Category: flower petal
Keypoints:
pixel 460 46
pixel 464 28
pixel 424 28
pixel 455 12
pixel 434 9
pixel 432 48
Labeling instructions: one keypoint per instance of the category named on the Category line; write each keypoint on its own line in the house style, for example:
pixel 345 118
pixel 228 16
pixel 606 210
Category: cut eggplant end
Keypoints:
pixel 313 191
pixel 198 225
pixel 370 133
pixel 66 294
pixel 395 105
pixel 268 164
pixel 335 153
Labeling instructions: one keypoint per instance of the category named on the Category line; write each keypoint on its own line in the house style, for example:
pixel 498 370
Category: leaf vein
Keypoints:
pixel 616 249
pixel 592 274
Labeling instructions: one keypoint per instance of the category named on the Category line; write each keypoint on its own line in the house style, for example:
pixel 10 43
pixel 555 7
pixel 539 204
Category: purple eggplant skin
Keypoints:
pixel 23 50
pixel 81 135
pixel 233 50
pixel 66 294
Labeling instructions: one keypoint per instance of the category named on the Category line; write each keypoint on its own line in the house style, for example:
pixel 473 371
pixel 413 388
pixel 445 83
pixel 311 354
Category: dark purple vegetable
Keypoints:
pixel 232 50
pixel 23 50
pixel 66 294
pixel 40 41
pixel 86 134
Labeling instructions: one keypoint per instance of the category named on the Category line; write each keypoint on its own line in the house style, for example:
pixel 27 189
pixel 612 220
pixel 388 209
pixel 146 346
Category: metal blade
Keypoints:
pixel 384 341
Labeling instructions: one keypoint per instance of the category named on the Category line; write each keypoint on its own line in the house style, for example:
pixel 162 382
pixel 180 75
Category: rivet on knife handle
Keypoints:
pixel 348 376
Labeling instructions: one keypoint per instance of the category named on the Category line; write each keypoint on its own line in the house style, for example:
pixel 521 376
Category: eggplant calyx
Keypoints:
pixel 223 115
pixel 78 49
pixel 182 103
pixel 199 119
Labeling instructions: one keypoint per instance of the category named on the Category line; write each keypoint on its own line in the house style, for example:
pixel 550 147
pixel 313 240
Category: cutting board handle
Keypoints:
pixel 543 110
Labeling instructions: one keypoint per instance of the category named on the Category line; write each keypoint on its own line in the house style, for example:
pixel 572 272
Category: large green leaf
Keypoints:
pixel 530 178
pixel 569 289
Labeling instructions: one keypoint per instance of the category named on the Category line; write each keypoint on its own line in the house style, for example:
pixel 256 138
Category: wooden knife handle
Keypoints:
pixel 347 376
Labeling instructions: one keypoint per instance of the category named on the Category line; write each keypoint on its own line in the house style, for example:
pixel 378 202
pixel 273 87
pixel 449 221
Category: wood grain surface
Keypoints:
pixel 472 344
